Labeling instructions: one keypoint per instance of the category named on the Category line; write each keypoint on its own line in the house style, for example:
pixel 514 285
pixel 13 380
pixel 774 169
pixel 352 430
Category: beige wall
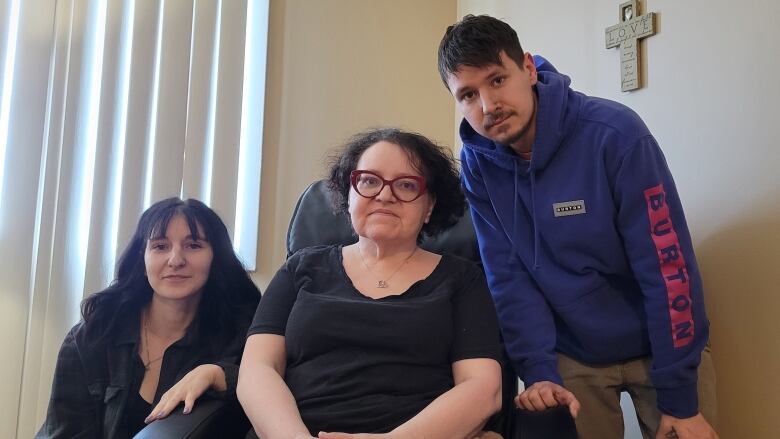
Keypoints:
pixel 336 67
pixel 711 101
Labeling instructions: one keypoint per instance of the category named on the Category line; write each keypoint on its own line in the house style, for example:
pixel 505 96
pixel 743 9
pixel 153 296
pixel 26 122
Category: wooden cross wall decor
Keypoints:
pixel 627 34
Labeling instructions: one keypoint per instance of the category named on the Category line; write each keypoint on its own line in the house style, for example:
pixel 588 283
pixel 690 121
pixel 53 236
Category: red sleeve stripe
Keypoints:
pixel 672 263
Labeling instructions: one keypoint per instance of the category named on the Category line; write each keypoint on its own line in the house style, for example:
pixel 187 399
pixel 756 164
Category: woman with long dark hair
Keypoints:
pixel 168 329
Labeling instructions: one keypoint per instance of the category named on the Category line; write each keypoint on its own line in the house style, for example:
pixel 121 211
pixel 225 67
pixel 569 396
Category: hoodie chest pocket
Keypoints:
pixel 581 233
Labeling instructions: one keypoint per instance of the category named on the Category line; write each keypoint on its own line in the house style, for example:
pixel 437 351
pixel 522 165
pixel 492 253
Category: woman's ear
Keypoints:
pixel 430 211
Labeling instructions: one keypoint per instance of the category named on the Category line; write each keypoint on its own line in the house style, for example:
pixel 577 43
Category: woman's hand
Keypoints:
pixel 324 435
pixel 188 389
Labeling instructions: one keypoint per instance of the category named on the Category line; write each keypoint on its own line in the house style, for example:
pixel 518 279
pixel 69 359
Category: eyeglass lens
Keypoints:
pixel 405 189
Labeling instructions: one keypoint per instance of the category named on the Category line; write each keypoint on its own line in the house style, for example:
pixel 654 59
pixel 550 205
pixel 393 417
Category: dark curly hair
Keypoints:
pixel 229 295
pixel 435 162
pixel 477 41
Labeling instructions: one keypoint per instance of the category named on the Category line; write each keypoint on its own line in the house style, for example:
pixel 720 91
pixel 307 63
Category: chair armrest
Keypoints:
pixel 555 423
pixel 209 418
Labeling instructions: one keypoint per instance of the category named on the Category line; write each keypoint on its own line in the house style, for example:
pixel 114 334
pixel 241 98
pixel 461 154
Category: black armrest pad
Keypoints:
pixel 209 418
pixel 554 423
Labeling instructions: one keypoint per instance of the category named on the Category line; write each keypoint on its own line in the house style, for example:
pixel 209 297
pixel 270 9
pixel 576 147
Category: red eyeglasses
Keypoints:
pixel 406 188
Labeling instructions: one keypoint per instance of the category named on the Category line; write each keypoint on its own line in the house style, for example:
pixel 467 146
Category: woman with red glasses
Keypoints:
pixel 379 338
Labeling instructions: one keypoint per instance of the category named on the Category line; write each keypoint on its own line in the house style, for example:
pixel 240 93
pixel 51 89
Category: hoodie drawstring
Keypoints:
pixel 533 218
pixel 513 238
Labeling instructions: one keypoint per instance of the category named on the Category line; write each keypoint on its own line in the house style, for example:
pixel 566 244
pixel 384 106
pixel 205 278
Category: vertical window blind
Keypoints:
pixel 105 108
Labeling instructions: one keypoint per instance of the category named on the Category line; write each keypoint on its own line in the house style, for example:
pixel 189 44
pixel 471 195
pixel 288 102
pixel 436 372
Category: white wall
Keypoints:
pixel 336 67
pixel 711 101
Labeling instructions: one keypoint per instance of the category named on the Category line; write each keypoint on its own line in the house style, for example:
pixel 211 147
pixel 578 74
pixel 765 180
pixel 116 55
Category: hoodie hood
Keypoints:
pixel 557 110
pixel 555 119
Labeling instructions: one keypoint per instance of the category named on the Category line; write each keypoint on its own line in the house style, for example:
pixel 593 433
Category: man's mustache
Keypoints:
pixel 492 118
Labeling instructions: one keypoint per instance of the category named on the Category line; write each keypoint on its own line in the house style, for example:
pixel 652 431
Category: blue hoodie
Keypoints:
pixel 586 247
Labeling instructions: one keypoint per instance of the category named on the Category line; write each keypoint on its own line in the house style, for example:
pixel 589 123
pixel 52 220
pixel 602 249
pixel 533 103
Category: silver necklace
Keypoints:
pixel 146 342
pixel 383 283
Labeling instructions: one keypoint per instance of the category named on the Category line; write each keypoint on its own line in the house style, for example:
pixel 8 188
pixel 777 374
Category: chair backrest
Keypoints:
pixel 314 223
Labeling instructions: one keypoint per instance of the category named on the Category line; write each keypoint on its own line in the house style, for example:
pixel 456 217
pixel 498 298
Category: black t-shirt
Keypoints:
pixel 137 411
pixel 362 365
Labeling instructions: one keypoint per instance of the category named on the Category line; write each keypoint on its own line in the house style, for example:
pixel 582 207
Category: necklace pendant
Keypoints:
pixel 381 284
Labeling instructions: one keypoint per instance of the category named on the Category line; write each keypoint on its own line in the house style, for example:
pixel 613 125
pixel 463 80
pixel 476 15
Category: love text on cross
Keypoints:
pixel 627 34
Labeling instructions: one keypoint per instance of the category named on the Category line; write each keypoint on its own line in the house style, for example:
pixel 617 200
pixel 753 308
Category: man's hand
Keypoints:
pixel 546 394
pixel 695 427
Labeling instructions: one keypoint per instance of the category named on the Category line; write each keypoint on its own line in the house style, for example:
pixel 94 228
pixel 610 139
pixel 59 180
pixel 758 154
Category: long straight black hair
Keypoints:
pixel 229 296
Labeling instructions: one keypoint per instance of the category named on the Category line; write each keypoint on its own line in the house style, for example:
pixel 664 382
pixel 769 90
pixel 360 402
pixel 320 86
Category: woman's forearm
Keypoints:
pixel 268 403
pixel 217 376
pixel 461 412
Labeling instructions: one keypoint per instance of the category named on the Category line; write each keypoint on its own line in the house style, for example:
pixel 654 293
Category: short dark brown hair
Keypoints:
pixel 477 41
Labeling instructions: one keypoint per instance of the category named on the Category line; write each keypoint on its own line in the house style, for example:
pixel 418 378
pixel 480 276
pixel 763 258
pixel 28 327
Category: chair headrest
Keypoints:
pixel 314 223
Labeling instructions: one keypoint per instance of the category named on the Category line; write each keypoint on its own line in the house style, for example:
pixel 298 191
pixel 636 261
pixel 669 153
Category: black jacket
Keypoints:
pixel 92 381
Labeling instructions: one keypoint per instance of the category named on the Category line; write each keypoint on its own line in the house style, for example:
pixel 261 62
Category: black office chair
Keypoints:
pixel 314 223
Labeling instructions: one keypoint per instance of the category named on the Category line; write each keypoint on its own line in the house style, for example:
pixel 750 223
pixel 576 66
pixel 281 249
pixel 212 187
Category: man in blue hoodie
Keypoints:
pixel 583 239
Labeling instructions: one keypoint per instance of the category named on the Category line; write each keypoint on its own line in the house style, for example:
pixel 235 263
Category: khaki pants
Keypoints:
pixel 598 390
